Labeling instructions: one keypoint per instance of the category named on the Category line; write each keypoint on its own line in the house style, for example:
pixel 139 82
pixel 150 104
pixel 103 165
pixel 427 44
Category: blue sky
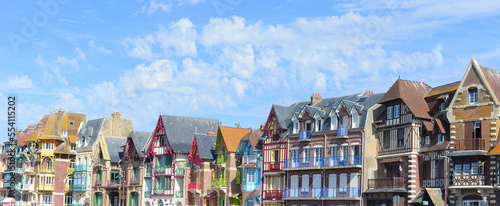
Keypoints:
pixel 228 59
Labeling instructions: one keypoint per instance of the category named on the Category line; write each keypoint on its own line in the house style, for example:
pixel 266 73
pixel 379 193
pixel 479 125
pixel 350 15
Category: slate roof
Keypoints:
pixel 232 136
pixel 412 93
pixel 180 130
pixel 115 148
pixel 206 146
pixel 90 131
pixel 140 138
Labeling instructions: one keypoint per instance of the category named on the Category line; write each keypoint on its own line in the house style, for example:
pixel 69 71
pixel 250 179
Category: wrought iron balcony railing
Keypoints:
pixel 305 135
pixel 221 182
pixel 470 144
pixel 194 186
pixel 342 131
pixel 394 182
pixel 334 192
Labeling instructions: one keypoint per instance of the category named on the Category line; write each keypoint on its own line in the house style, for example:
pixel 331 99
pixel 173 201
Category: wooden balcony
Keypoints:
pixel 46 187
pixel 70 170
pixel 272 194
pixel 470 144
pixel 469 180
pixel 46 152
pixel 194 186
pixel 134 181
pixel 394 182
pixel 47 169
pixel 68 188
pixel 221 182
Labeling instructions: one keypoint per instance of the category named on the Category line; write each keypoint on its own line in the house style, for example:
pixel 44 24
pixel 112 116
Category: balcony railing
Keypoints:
pixel 194 186
pixel 80 187
pixel 80 168
pixel 221 159
pixel 18 170
pixel 470 144
pixel 179 194
pixel 342 131
pixel 272 194
pixel 250 159
pixel 221 182
pixel 305 135
pixel 468 180
pixel 433 183
pixel 47 152
pixel 98 183
pixel 335 192
pixel 303 162
pixel 159 169
pixel 134 181
pixel 179 171
pixel 29 169
pixel 395 182
pixel 342 161
pixel 163 170
pixel 18 187
pixel 70 170
pixel 113 183
pixel 46 187
pixel 99 162
pixel 68 188
pixel 159 191
pixel 46 169
pixel 147 194
pixel 148 172
pixel 252 186
pixel 28 187
pixel 274 166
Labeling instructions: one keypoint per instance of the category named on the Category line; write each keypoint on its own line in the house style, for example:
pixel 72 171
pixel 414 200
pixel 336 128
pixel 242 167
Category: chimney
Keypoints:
pixel 211 132
pixel 315 98
pixel 60 112
pixel 116 124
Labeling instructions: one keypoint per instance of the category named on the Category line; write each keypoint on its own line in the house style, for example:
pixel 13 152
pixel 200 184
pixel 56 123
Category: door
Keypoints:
pixel 316 186
pixel 305 186
pixel 345 121
pixel 343 185
pixel 294 186
pixel 353 185
pixel 332 185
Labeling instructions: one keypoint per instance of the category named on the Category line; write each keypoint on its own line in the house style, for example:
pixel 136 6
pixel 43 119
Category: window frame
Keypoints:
pixel 473 96
pixel 389 112
pixel 397 111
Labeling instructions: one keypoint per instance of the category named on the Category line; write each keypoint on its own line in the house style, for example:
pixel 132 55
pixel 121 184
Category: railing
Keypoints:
pixel 250 159
pixel 179 171
pixel 179 194
pixel 18 170
pixel 342 161
pixel 29 169
pixel 147 194
pixel 28 186
pixel 433 183
pixel 221 159
pixel 97 162
pixel 159 191
pixel 46 169
pixel 47 152
pixel 221 182
pixel 68 188
pixel 80 187
pixel 303 162
pixel 468 180
pixel 194 186
pixel 342 131
pixel 167 170
pixel 46 187
pixel 98 182
pixel 79 168
pixel 70 170
pixel 251 186
pixel 470 144
pixel 272 194
pixel 134 181
pixel 18 187
pixel 159 169
pixel 148 172
pixel 113 183
pixel 333 192
pixel 395 182
pixel 305 135
pixel 272 166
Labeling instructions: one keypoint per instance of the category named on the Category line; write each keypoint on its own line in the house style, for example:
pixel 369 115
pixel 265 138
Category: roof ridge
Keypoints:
pixel 188 117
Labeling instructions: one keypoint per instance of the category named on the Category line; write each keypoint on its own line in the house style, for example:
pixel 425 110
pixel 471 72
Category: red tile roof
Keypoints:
pixel 412 93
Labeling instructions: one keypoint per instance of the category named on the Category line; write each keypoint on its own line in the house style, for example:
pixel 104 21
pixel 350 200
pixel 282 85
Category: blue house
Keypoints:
pixel 250 150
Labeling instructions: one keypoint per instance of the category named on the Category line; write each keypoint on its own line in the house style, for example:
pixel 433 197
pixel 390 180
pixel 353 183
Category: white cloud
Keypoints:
pixel 100 49
pixel 79 54
pixel 154 5
pixel 141 47
pixel 15 82
pixel 65 61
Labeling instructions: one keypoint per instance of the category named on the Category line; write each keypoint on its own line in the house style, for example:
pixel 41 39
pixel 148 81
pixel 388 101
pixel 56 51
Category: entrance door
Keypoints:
pixel 113 199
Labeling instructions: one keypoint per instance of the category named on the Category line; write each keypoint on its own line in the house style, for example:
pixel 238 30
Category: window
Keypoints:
pixel 115 174
pixel 276 155
pixel 443 106
pixel 98 178
pixel 401 137
pixel 389 112
pixel 163 141
pixel 427 140
pixel 73 147
pixel 71 123
pixel 334 152
pixel 458 169
pixel 466 169
pixel 83 142
pixel 308 125
pixel 355 120
pixel 396 110
pixel 345 152
pixel 473 98
pixel 65 133
pixel 477 129
pixel 67 199
pixel 317 125
pixel 168 181
pixel 387 139
pixel 47 198
pixel 251 175
pixel 318 156
pixel 295 127
pixel 475 168
pixel 307 154
pixel 440 138
pixel 333 122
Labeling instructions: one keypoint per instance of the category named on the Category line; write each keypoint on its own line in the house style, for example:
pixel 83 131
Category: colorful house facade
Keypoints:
pixel 250 150
pixel 199 170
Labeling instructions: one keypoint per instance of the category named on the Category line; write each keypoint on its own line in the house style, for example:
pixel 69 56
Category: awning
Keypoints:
pixel 418 199
pixel 391 160
pixel 436 195
pixel 429 126
pixel 211 194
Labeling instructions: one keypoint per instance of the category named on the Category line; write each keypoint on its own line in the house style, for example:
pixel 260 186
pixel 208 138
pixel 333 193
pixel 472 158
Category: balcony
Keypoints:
pixel 302 162
pixel 99 162
pixel 147 194
pixel 179 194
pixel 148 172
pixel 98 183
pixel 272 166
pixel 163 170
pixel 159 191
pixel 113 183
pixel 179 172
pixel 28 187
pixel 221 160
pixel 342 132
pixel 272 194
pixel 251 186
pixel 349 160
pixel 47 152
pixel 305 135
pixel 194 186
pixel 249 159
pixel 18 187
pixel 394 182
pixel 46 187
pixel 81 168
pixel 47 169
pixel 70 171
pixel 68 188
pixel 134 181
pixel 29 169
pixel 470 144
pixel 159 169
pixel 433 183
pixel 221 182
pixel 79 188
pixel 468 180
pixel 314 193
pixel 18 171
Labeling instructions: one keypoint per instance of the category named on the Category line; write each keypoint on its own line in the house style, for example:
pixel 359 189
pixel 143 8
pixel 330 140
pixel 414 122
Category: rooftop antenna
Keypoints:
pixel 399 76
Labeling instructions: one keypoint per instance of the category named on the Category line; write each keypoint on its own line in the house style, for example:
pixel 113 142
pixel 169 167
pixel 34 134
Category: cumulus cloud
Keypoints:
pixel 79 54
pixel 15 82
pixel 100 49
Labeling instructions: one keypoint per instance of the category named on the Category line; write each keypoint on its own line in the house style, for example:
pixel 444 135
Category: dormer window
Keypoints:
pixel 295 127
pixel 355 120
pixel 307 126
pixel 443 106
pixel 71 123
pixel 317 125
pixel 396 111
pixel 65 133
pixel 389 112
pixel 473 98
pixel 333 122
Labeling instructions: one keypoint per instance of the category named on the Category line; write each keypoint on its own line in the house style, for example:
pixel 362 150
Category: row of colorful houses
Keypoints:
pixel 411 145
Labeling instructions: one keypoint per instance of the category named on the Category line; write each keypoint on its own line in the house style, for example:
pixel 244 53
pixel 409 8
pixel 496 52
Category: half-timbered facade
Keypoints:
pixel 250 150
pixel 199 170
pixel 168 153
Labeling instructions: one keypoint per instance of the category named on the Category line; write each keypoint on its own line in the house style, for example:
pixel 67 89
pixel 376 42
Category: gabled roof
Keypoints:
pixel 139 139
pixel 180 130
pixel 91 131
pixel 443 89
pixel 493 78
pixel 21 138
pixel 115 148
pixel 232 136
pixel 412 93
pixel 282 113
pixel 206 146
